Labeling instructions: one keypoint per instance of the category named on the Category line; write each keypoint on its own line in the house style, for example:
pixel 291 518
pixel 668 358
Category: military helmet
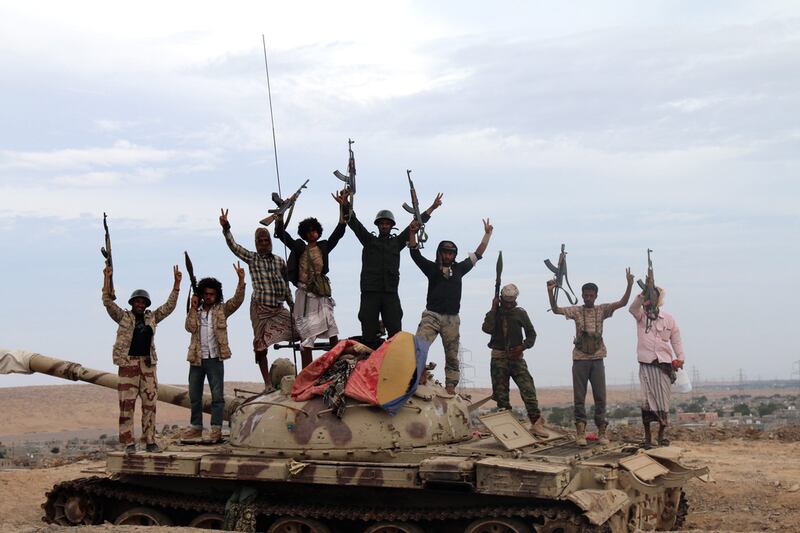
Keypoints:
pixel 385 213
pixel 280 367
pixel 139 293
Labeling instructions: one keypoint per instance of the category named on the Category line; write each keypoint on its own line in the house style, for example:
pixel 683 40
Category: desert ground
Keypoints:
pixel 755 487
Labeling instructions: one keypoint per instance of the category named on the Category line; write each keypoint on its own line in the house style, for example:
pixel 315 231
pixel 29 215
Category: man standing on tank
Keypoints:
pixel 272 322
pixel 380 271
pixel 443 300
pixel 507 323
pixel 207 321
pixel 307 269
pixel 658 337
pixel 588 353
pixel 135 355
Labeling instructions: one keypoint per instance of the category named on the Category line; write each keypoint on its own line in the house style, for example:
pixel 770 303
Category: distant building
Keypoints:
pixel 697 418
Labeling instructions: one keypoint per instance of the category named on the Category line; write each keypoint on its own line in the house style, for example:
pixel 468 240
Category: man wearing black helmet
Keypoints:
pixel 135 355
pixel 444 296
pixel 380 271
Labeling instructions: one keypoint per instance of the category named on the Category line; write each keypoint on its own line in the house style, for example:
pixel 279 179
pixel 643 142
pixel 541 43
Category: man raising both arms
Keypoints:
pixel 380 270
pixel 272 322
pixel 588 353
pixel 444 296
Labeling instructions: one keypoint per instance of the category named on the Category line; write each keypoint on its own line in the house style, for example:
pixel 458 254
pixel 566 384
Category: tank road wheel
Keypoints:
pixel 143 516
pixel 293 524
pixel 76 509
pixel 497 525
pixel 208 521
pixel 394 527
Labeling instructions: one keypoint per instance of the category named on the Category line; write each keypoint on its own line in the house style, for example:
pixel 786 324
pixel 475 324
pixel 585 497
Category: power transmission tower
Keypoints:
pixel 465 363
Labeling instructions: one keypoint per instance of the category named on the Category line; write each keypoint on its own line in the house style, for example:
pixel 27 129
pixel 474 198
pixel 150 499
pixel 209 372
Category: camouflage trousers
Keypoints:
pixel 502 369
pixel 432 324
pixel 137 380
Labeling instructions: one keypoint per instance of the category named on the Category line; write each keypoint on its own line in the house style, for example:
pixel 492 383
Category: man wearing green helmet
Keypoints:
pixel 135 355
pixel 380 271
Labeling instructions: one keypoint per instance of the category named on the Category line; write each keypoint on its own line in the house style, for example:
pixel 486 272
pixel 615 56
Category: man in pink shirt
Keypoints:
pixel 657 366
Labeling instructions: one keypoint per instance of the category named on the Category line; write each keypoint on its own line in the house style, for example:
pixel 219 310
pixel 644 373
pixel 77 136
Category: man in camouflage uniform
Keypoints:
pixel 135 355
pixel 506 323
pixel 272 322
pixel 589 352
pixel 444 297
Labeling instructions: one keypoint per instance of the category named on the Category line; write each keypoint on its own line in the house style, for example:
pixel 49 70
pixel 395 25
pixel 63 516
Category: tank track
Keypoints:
pixel 107 489
pixel 683 512
pixel 110 489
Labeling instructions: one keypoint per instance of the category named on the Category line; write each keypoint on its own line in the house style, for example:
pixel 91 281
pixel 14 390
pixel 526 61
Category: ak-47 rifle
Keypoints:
pixel 650 294
pixel 106 252
pixel 422 237
pixel 283 206
pixel 192 281
pixel 350 179
pixel 561 277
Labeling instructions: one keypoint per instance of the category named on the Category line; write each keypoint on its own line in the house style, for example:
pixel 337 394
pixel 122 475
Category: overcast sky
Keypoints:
pixel 611 127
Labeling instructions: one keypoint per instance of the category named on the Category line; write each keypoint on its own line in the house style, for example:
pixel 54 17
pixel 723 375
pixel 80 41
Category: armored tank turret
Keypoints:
pixel 295 466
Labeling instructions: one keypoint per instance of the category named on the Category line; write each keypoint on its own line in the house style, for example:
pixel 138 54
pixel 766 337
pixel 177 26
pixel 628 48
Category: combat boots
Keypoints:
pixel 152 447
pixel 215 435
pixel 537 426
pixel 580 434
pixel 662 435
pixel 192 433
pixel 601 434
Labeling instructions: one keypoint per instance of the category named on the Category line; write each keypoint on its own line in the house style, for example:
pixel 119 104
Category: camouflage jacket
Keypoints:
pixel 219 314
pixel 512 324
pixel 127 321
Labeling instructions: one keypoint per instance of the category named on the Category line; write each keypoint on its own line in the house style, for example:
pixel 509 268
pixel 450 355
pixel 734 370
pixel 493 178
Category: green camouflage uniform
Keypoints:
pixel 506 332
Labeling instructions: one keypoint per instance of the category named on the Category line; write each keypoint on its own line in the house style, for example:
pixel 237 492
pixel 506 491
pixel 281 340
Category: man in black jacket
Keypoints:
pixel 307 268
pixel 380 271
pixel 444 297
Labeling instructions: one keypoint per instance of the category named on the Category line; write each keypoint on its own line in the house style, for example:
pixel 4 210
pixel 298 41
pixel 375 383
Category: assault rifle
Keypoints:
pixel 192 281
pixel 561 277
pixel 106 252
pixel 349 179
pixel 283 206
pixel 649 293
pixel 422 237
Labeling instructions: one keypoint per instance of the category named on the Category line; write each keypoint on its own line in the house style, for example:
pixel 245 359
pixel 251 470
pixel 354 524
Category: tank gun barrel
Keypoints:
pixel 23 362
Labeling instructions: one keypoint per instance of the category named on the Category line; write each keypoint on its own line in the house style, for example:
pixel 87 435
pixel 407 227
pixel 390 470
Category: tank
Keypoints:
pixel 290 466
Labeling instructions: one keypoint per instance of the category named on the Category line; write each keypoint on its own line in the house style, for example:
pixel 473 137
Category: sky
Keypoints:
pixel 611 127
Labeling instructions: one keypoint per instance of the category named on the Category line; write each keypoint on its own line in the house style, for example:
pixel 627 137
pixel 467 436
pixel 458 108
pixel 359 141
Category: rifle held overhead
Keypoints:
pixel 560 275
pixel 422 237
pixel 105 251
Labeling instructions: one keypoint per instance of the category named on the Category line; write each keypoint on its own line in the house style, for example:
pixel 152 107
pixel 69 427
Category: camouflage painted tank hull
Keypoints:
pixel 291 466
pixel 475 485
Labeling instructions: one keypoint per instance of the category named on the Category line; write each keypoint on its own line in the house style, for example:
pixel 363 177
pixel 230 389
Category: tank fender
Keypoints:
pixel 599 505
